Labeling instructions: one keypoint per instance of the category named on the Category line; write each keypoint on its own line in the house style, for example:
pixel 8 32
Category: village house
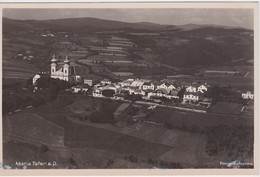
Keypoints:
pixel 126 88
pixel 173 94
pixel 76 89
pixel 191 88
pixel 88 82
pixel 248 95
pixel 166 86
pixel 118 86
pixel 98 86
pixel 205 101
pixel 148 86
pixel 162 86
pixel 97 91
pixel 110 87
pixel 35 78
pixel 38 76
pixel 203 88
pixel 127 82
pixel 137 83
pixel 158 93
pixel 197 88
pixel 105 82
pixel 191 96
pixel 79 88
pixel 136 91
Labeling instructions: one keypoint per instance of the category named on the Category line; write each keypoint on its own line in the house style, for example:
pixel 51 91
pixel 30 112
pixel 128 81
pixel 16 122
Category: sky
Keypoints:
pixel 227 17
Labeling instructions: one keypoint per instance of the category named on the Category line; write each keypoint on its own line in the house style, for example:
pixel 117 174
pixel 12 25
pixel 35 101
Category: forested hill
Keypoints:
pixel 79 24
pixel 182 46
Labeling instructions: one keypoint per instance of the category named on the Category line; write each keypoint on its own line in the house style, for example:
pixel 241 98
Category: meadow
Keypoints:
pixel 197 121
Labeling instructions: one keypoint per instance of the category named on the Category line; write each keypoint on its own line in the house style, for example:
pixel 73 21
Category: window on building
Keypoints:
pixel 53 70
pixel 65 71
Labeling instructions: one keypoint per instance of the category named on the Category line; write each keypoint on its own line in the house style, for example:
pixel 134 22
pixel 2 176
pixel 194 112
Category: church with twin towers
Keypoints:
pixel 67 71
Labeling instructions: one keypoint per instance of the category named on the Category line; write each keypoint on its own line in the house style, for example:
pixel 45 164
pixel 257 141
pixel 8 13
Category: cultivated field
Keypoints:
pixel 34 128
pixel 200 121
pixel 15 69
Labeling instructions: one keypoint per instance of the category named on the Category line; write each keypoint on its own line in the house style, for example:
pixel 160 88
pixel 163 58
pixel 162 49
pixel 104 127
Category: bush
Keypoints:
pixel 44 148
pixel 229 140
pixel 101 117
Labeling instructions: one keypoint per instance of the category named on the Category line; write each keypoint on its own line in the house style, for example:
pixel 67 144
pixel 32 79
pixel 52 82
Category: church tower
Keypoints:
pixel 53 65
pixel 66 69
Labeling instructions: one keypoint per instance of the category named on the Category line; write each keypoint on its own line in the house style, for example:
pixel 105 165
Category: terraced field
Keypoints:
pixel 13 69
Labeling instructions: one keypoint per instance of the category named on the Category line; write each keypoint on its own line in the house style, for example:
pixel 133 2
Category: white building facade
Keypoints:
pixel 61 72
pixel 248 95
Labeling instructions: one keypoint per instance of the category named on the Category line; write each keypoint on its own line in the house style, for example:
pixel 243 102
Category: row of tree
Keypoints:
pixel 224 94
pixel 20 95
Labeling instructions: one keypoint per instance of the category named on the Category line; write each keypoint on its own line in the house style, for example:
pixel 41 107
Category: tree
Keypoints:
pixel 108 93
pixel 72 164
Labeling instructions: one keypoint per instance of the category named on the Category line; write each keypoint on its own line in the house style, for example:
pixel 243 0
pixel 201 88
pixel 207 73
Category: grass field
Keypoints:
pixel 227 108
pixel 143 141
pixel 34 128
pixel 199 121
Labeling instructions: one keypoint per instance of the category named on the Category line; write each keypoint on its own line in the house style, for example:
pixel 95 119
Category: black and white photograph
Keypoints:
pixel 128 88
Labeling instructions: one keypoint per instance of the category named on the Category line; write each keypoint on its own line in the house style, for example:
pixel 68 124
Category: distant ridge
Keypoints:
pixel 191 26
pixel 90 23
pixel 95 24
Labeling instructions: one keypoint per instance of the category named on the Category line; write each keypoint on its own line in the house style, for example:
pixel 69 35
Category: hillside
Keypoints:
pixel 78 24
pixel 182 46
pixel 220 50
pixel 191 26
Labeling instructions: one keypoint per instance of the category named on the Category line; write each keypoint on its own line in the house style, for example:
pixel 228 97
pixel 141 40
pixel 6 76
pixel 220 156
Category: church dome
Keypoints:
pixel 54 60
pixel 67 60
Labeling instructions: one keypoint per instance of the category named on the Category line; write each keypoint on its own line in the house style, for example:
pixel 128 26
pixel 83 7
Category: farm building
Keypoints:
pixel 137 83
pixel 148 86
pixel 105 82
pixel 191 96
pixel 166 86
pixel 88 82
pixel 35 78
pixel 136 91
pixel 78 88
pixel 197 88
pixel 248 95
pixel 38 76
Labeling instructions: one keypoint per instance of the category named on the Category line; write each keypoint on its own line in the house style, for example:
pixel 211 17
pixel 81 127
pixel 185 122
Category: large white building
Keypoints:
pixel 62 72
